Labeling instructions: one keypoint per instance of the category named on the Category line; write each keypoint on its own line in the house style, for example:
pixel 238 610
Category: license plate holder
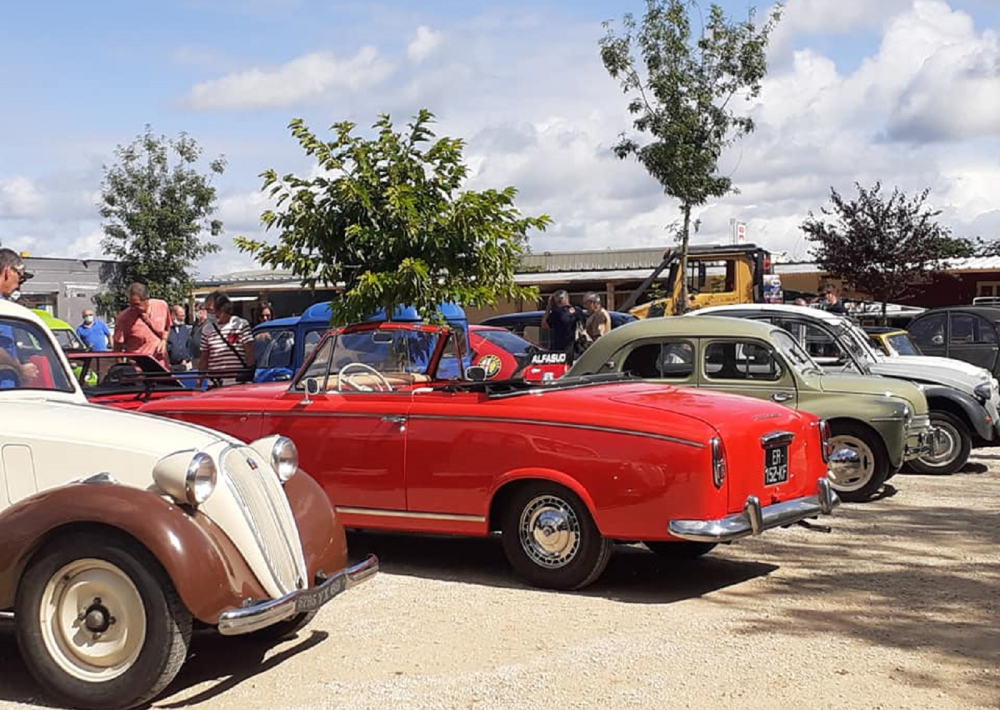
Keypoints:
pixel 775 465
pixel 313 599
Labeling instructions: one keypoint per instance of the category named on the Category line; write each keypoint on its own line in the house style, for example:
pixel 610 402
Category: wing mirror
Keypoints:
pixel 475 373
pixel 312 386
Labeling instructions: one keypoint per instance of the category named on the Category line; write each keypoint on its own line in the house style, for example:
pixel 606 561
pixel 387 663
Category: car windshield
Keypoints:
pixel 856 342
pixel 28 360
pixel 68 340
pixel 902 344
pixel 797 357
pixel 387 351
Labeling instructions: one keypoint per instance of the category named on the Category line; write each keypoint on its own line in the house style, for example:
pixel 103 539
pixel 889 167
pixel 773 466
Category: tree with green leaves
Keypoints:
pixel 682 88
pixel 387 217
pixel 880 245
pixel 157 206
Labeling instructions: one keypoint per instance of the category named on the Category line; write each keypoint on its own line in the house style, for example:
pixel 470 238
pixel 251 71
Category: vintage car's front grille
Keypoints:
pixel 256 487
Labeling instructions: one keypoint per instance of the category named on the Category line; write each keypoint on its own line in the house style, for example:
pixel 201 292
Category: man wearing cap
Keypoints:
pixel 12 277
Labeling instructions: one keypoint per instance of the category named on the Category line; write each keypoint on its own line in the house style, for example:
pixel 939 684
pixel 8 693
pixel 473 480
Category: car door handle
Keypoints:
pixel 394 418
pixel 781 396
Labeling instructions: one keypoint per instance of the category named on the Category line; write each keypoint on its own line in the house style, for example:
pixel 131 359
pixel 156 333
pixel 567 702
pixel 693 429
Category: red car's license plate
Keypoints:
pixel 775 465
pixel 313 599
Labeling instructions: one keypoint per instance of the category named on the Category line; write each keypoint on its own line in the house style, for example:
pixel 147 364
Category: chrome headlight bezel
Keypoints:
pixel 189 477
pixel 281 453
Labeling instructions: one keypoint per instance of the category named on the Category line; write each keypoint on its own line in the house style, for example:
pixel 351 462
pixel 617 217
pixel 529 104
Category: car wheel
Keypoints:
pixel 284 629
pixel 681 550
pixel 550 538
pixel 99 623
pixel 953 451
pixel 858 481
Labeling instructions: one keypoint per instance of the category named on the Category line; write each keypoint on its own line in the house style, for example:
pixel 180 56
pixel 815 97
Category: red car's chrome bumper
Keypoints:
pixel 756 518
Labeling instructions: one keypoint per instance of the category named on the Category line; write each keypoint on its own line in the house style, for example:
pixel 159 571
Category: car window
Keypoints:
pixel 741 361
pixel 507 340
pixel 319 366
pixel 970 329
pixel 902 344
pixel 311 340
pixel 274 348
pixel 929 330
pixel 28 360
pixel 819 343
pixel 672 360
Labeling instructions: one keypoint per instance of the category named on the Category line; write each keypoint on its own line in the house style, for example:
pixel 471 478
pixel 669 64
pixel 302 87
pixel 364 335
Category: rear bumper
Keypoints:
pixel 756 518
pixel 260 615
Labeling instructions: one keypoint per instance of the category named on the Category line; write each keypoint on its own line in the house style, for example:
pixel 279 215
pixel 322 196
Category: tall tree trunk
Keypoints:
pixel 681 305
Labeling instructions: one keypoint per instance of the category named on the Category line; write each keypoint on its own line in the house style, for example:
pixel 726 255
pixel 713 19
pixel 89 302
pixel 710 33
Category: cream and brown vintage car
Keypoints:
pixel 119 532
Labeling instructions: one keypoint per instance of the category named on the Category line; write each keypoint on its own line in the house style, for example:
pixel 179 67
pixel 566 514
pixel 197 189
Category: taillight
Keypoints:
pixel 825 447
pixel 718 462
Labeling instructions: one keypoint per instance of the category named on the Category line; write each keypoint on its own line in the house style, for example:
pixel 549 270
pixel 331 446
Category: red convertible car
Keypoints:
pixel 124 380
pixel 562 470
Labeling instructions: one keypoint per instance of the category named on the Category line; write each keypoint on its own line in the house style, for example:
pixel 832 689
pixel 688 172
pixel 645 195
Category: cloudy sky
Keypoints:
pixel 902 91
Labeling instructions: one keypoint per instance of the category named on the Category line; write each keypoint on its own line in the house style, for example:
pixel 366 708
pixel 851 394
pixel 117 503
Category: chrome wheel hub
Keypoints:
pixel 944 443
pixel 852 463
pixel 550 532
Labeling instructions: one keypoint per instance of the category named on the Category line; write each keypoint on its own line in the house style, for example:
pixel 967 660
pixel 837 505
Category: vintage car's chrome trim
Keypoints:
pixel 755 518
pixel 100 478
pixel 260 615
pixel 380 513
pixel 776 438
pixel 568 425
pixel 6 616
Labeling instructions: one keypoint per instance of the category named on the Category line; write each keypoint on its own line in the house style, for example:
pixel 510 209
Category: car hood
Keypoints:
pixel 876 385
pixel 66 441
pixel 961 375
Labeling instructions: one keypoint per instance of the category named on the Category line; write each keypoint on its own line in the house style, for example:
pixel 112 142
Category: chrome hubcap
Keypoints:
pixel 549 531
pixel 944 446
pixel 852 463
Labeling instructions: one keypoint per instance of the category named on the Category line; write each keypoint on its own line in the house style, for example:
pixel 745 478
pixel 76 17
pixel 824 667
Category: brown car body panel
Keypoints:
pixel 207 570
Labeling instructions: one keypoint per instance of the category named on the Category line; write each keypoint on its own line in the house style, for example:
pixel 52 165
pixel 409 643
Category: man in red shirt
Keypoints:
pixel 144 326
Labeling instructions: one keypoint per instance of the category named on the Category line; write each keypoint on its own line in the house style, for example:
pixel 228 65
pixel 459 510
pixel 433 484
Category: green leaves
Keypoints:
pixel 878 245
pixel 156 205
pixel 386 216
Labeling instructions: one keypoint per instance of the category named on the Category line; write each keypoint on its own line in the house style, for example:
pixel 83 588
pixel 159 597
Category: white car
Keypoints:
pixel 962 397
pixel 119 531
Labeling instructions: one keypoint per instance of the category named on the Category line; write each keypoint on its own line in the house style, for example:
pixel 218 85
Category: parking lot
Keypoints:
pixel 896 608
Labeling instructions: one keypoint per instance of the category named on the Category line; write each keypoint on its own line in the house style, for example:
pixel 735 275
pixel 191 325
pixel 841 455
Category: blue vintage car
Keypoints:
pixel 283 344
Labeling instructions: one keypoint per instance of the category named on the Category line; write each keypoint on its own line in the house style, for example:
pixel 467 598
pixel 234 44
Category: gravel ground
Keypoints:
pixel 897 608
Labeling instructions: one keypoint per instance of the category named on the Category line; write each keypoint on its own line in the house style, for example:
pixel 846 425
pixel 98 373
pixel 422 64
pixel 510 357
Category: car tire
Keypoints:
pixel 874 467
pixel 551 540
pixel 284 629
pixel 681 550
pixel 134 634
pixel 959 446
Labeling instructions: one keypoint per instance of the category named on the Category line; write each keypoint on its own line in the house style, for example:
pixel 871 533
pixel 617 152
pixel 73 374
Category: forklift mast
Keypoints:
pixel 741 279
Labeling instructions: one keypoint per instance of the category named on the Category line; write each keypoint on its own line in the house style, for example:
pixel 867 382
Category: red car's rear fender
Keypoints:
pixel 506 484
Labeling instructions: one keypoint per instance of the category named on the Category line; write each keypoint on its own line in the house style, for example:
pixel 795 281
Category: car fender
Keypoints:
pixel 540 474
pixel 962 405
pixel 324 544
pixel 206 569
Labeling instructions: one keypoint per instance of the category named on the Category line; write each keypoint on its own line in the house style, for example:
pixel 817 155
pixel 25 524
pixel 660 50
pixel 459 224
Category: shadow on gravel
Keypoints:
pixel 916 579
pixel 228 661
pixel 633 575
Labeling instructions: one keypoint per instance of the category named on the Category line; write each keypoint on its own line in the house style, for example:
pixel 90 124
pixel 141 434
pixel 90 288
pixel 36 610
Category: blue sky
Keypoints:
pixel 903 91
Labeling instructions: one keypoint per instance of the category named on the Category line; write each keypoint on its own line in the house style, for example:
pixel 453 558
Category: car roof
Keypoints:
pixel 687 326
pixel 50 320
pixel 988 312
pixel 10 309
pixel 880 329
pixel 791 309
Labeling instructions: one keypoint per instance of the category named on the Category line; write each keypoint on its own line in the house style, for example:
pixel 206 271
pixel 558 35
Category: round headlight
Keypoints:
pixel 284 458
pixel 200 479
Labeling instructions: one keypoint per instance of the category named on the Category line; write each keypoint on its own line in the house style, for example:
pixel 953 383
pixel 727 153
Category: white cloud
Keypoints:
pixel 303 78
pixel 424 44
pixel 19 197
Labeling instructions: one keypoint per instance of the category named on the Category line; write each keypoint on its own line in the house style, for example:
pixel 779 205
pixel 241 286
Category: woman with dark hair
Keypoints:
pixel 226 342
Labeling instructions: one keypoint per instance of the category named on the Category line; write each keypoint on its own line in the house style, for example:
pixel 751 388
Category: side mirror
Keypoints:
pixel 475 373
pixel 312 386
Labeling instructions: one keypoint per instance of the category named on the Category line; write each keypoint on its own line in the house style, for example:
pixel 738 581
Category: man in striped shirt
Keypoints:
pixel 226 341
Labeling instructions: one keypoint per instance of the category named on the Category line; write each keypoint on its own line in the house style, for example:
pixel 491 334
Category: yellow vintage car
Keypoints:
pixel 892 341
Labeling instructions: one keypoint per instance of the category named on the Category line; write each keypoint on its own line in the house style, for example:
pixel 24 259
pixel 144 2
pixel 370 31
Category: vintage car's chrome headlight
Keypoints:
pixel 281 452
pixel 186 477
pixel 983 391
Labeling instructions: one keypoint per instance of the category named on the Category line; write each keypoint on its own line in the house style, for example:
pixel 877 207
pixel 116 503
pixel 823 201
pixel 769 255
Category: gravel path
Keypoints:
pixel 897 608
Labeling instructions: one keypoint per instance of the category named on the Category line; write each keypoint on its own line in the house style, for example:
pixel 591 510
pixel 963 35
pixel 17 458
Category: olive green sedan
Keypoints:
pixel 884 421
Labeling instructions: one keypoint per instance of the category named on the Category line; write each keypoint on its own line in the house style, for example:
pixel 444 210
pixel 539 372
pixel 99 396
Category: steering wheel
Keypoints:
pixel 12 371
pixel 382 385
